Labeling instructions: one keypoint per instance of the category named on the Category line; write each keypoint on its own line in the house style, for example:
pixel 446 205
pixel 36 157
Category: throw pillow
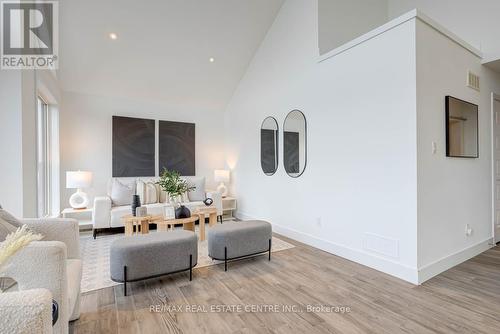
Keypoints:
pixel 5 229
pixel 121 193
pixel 162 195
pixel 198 194
pixel 10 218
pixel 141 190
pixel 151 193
pixel 147 192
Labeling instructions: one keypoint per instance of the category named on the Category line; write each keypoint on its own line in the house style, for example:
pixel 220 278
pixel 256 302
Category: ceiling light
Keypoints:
pixel 211 59
pixel 113 36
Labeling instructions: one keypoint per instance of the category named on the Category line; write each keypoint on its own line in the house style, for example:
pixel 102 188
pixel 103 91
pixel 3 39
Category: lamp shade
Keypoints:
pixel 78 180
pixel 221 175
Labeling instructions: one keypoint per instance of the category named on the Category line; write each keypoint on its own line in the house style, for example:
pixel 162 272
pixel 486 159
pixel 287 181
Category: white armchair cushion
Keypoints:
pixel 27 311
pixel 122 192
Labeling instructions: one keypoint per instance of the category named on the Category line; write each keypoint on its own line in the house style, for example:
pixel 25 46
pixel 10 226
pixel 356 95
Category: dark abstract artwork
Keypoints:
pixel 133 147
pixel 291 158
pixel 177 147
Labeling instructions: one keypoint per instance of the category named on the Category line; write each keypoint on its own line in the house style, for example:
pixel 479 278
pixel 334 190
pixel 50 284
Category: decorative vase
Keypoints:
pixel 136 202
pixel 182 212
pixel 208 201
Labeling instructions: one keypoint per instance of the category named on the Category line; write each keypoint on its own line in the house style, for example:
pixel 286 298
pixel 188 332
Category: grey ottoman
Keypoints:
pixel 235 240
pixel 151 255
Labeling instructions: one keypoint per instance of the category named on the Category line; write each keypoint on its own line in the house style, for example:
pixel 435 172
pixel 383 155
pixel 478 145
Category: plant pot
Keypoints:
pixel 182 212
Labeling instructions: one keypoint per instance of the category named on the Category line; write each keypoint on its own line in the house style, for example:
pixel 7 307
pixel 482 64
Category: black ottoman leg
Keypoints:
pixel 269 249
pixel 190 267
pixel 125 280
pixel 94 231
pixel 225 258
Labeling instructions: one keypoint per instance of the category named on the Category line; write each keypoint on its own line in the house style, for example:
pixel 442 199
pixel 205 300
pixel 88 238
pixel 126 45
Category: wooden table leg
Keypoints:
pixel 144 227
pixel 213 219
pixel 202 226
pixel 129 229
pixel 189 226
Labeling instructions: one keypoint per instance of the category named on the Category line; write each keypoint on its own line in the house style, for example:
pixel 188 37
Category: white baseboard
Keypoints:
pixel 379 263
pixel 430 270
pixel 243 216
pixel 370 260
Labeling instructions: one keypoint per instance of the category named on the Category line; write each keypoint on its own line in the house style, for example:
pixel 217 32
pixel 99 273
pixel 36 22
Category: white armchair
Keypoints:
pixel 24 312
pixel 217 198
pixel 54 264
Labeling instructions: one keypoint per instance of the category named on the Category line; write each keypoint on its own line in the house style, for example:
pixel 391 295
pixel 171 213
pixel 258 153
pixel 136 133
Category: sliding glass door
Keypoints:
pixel 43 159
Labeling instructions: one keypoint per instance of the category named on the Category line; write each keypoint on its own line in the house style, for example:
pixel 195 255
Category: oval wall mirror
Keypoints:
pixel 269 146
pixel 295 143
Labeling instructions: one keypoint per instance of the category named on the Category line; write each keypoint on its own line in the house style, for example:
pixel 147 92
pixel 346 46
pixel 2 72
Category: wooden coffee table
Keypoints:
pixel 142 223
pixel 187 223
pixel 212 220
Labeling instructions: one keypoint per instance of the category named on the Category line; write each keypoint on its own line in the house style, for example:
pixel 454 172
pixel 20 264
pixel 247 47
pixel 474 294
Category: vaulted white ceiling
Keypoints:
pixel 163 47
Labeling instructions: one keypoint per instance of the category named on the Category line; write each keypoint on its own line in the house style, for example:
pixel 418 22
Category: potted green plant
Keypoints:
pixel 171 182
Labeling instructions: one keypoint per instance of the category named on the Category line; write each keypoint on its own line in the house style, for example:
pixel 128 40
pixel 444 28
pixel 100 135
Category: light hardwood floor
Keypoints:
pixel 465 299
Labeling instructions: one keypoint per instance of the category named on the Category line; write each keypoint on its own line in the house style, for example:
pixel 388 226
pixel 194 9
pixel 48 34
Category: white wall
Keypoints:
pixel 357 197
pixel 18 138
pixel 11 194
pixel 452 192
pixel 477 21
pixel 86 135
pixel 340 21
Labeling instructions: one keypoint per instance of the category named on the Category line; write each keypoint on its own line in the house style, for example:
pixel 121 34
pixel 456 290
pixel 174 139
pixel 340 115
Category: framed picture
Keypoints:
pixel 177 147
pixel 461 128
pixel 133 147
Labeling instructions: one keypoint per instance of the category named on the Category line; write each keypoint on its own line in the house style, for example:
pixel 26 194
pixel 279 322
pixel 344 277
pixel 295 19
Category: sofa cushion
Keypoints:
pixel 198 194
pixel 147 192
pixel 5 229
pixel 122 192
pixel 74 276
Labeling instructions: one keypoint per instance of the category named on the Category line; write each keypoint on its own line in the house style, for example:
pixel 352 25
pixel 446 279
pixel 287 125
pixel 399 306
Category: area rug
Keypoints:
pixel 95 255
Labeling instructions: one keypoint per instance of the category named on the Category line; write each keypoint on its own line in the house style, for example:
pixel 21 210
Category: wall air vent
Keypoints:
pixel 473 80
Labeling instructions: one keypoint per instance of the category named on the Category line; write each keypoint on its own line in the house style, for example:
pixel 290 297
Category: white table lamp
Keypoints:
pixel 78 180
pixel 222 176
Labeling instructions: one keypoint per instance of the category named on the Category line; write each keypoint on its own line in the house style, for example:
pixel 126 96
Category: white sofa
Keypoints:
pixel 108 214
pixel 54 263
